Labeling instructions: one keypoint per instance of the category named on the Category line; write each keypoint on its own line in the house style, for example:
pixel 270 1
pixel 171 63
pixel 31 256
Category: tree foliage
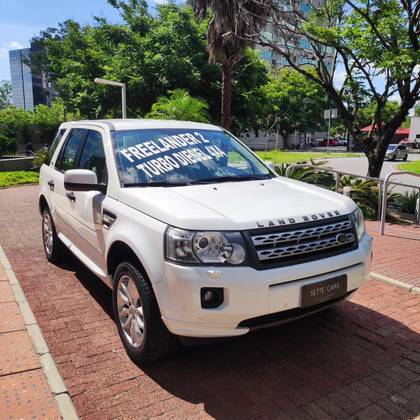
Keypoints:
pixel 18 127
pixel 368 40
pixel 180 105
pixel 294 103
pixel 5 94
pixel 152 54
pixel 230 21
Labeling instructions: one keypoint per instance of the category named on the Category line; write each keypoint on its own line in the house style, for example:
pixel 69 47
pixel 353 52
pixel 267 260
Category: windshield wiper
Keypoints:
pixel 156 184
pixel 230 179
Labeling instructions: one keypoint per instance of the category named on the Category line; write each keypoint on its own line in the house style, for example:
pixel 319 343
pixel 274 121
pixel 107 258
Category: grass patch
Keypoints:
pixel 411 166
pixel 9 179
pixel 280 156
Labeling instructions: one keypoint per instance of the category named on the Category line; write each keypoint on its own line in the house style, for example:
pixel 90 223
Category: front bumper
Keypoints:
pixel 248 293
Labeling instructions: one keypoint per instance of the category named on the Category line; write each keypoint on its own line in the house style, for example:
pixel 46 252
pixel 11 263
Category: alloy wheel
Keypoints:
pixel 47 233
pixel 130 311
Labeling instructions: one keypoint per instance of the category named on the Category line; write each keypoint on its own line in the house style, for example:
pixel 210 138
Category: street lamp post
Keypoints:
pixel 123 92
pixel 329 114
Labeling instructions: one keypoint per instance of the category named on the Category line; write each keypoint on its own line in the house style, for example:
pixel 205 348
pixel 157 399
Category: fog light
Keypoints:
pixel 211 297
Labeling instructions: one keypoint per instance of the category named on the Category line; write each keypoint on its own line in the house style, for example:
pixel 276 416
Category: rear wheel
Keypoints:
pixel 53 247
pixel 393 158
pixel 405 158
pixel 136 312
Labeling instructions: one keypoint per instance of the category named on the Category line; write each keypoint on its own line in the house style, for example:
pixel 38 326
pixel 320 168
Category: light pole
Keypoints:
pixel 123 92
pixel 329 114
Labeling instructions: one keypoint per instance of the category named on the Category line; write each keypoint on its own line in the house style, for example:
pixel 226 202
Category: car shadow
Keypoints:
pixel 334 363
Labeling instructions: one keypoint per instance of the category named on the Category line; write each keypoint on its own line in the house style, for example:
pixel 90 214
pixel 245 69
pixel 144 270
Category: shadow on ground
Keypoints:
pixel 345 360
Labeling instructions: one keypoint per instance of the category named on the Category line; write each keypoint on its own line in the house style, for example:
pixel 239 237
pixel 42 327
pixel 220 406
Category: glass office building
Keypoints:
pixel 28 88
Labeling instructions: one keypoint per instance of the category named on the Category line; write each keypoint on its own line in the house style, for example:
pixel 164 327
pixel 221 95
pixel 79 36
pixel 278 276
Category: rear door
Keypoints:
pixel 47 172
pixel 64 200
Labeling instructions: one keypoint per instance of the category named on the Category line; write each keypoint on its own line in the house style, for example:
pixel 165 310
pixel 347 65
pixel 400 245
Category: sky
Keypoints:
pixel 20 20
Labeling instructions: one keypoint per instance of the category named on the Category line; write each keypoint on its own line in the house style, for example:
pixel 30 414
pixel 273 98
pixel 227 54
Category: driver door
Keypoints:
pixel 86 212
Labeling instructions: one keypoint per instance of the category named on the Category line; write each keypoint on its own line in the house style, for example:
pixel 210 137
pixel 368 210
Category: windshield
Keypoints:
pixel 160 157
pixel 392 147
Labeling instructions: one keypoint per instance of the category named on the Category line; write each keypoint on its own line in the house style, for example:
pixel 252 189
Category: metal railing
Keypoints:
pixel 382 185
pixel 385 198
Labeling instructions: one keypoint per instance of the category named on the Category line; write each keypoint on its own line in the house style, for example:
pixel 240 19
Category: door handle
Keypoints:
pixel 71 196
pixel 51 184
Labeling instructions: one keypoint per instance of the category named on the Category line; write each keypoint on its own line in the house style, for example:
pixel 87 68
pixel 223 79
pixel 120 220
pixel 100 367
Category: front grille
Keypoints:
pixel 299 243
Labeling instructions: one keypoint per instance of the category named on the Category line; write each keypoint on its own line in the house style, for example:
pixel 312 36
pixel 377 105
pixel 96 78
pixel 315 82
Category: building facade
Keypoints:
pixel 29 88
pixel 301 52
pixel 414 136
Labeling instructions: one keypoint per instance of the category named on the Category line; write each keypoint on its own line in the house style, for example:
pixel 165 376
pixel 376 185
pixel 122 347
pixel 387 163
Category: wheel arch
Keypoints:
pixel 118 252
pixel 42 203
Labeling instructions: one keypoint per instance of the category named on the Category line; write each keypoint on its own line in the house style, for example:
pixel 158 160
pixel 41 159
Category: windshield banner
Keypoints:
pixel 175 151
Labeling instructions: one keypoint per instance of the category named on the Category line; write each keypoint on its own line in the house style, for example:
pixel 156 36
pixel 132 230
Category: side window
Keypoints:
pixel 93 156
pixel 54 145
pixel 71 149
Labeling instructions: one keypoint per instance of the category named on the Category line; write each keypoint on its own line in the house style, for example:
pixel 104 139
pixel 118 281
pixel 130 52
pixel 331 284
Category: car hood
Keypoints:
pixel 237 205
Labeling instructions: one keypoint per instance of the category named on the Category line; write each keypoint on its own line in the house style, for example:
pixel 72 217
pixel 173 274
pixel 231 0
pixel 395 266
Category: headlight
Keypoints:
pixel 359 223
pixel 186 246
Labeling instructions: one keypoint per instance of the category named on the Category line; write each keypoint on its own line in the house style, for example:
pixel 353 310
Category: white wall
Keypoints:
pixel 414 129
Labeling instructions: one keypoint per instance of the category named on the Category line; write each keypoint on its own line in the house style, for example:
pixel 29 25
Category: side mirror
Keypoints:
pixel 82 180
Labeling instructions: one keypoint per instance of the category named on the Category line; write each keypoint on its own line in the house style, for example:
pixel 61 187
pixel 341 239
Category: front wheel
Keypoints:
pixel 136 312
pixel 53 247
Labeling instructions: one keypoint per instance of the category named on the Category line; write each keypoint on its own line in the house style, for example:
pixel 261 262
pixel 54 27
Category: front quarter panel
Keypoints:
pixel 142 233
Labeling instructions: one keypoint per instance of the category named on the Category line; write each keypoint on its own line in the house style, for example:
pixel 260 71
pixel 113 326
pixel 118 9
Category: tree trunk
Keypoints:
pixel 285 136
pixel 226 96
pixel 374 165
pixel 376 155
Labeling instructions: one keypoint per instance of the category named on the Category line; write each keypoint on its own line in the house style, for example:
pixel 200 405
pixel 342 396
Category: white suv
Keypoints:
pixel 195 235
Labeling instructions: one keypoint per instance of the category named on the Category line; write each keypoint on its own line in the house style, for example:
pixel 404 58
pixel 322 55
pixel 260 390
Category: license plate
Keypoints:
pixel 323 291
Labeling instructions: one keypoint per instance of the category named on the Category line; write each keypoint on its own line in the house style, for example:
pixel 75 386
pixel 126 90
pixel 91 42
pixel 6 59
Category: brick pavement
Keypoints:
pixel 359 360
pixel 24 391
pixel 397 253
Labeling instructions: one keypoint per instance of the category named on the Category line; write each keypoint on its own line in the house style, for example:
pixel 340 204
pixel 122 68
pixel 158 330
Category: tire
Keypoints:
pixel 55 251
pixel 143 333
pixel 405 158
pixel 393 158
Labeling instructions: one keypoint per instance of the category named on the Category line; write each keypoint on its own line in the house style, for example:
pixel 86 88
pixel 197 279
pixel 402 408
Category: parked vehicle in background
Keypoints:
pixel 332 142
pixel 195 235
pixel 396 151
pixel 342 142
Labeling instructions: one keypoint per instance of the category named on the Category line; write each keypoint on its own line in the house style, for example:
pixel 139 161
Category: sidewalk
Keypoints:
pixel 26 366
pixel 396 254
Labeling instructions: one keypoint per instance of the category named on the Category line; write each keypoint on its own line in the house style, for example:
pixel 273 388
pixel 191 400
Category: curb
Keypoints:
pixel 396 283
pixel 54 379
pixel 19 185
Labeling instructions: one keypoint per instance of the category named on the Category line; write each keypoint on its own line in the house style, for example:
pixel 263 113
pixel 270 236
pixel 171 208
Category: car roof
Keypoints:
pixel 133 124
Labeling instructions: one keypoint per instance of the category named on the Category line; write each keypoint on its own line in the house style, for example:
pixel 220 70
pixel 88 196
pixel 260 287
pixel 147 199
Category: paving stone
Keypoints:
pixel 10 318
pixel 6 293
pixel 3 276
pixel 17 353
pixel 359 359
pixel 26 395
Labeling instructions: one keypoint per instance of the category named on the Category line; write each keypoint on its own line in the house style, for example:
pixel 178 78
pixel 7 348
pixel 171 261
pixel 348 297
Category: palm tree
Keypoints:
pixel 180 105
pixel 230 31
